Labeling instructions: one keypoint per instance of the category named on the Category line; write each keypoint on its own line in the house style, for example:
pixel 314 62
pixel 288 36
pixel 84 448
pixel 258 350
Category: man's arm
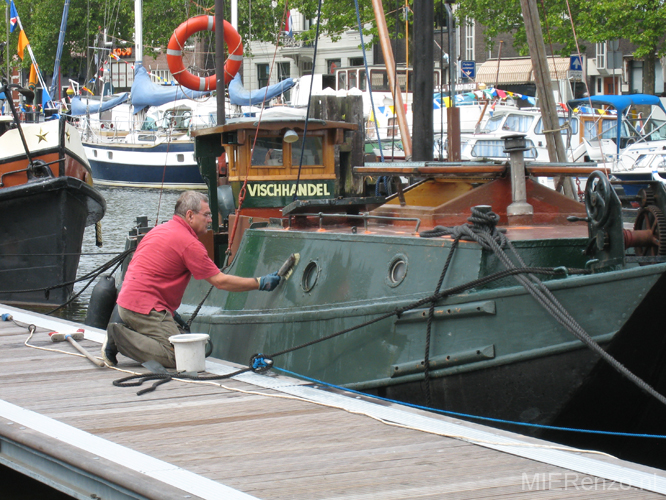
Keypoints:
pixel 233 283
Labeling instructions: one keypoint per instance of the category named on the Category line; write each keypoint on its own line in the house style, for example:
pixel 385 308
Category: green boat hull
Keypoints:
pixel 494 351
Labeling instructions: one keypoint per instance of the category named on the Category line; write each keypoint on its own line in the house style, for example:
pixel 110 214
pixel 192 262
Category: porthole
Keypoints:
pixel 109 155
pixel 310 276
pixel 397 270
pixel 95 153
pixel 180 158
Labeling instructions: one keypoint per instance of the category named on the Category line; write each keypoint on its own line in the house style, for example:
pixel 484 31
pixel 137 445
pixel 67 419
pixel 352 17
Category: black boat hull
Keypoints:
pixel 41 231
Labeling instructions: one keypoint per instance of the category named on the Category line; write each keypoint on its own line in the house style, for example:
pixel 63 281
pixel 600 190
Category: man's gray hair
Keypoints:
pixel 189 200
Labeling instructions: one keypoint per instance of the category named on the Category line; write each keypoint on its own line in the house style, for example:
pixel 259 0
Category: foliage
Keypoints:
pixel 640 22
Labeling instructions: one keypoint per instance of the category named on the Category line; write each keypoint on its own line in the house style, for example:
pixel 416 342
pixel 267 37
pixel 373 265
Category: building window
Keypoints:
pixel 284 72
pixel 601 55
pixel 356 61
pixel 469 40
pixel 332 65
pixel 262 74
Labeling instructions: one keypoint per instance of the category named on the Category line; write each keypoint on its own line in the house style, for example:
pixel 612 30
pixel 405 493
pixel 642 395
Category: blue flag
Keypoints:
pixel 13 16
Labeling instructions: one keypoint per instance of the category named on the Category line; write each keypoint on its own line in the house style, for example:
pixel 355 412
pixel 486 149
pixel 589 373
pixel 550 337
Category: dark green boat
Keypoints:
pixel 476 289
pixel 485 345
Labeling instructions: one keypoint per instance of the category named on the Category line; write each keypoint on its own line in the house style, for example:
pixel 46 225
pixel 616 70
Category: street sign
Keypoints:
pixel 468 69
pixel 576 68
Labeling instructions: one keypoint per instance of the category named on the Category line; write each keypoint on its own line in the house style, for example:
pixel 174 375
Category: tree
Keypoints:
pixel 639 21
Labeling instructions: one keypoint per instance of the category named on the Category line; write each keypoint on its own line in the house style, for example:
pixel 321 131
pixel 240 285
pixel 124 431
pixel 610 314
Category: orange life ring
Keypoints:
pixel 175 53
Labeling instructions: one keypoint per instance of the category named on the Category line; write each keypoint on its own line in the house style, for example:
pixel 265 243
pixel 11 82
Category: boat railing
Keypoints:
pixel 365 216
pixel 477 170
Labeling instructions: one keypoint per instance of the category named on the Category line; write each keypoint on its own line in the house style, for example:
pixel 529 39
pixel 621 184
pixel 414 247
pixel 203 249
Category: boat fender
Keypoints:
pixel 175 53
pixel 102 302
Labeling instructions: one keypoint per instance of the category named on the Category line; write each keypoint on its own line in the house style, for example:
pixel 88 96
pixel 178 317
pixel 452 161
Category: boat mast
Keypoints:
pixel 422 88
pixel 390 70
pixel 551 124
pixel 61 41
pixel 138 32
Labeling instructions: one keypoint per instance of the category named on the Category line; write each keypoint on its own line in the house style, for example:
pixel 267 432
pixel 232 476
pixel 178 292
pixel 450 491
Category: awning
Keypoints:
pixel 519 70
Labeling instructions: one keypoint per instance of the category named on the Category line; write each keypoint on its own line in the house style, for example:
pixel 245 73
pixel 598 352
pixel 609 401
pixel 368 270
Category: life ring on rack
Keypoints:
pixel 175 53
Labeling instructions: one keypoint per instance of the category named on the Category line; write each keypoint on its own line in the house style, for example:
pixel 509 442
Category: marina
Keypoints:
pixel 262 436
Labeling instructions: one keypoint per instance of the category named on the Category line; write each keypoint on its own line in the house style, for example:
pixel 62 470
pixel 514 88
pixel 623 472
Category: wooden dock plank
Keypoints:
pixel 273 447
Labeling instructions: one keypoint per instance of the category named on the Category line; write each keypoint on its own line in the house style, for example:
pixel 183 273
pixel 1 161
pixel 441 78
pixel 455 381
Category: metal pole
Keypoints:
pixel 452 113
pixel 219 60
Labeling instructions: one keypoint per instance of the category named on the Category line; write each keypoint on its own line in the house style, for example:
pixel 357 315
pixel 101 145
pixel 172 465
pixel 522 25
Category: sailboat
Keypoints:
pixel 156 153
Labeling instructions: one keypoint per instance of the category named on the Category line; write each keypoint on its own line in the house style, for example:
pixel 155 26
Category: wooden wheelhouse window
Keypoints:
pixel 268 151
pixel 312 154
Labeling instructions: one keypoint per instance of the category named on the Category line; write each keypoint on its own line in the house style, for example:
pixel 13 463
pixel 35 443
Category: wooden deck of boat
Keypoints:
pixel 263 436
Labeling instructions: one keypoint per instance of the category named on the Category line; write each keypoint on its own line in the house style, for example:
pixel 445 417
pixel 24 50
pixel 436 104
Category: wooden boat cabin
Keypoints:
pixel 263 166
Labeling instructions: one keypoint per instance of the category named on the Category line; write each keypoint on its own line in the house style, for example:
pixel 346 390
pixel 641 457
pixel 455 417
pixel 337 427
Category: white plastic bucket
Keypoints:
pixel 190 351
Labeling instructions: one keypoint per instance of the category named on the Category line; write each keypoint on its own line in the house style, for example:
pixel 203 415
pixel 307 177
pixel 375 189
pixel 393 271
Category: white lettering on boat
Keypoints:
pixel 304 189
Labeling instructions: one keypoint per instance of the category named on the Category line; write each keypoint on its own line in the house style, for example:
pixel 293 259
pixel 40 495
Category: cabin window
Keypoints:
pixel 352 79
pixel 109 155
pixel 362 80
pixel 493 123
pixel 180 158
pixel 149 124
pixel 95 153
pixel 342 80
pixel 379 80
pixel 312 153
pixel 495 149
pixel 518 123
pixel 267 151
pixel 538 128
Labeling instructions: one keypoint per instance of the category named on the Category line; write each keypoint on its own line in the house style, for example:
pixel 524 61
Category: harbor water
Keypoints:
pixel 123 206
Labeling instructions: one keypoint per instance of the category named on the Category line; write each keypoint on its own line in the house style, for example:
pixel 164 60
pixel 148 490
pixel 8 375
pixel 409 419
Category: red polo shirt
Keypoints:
pixel 162 266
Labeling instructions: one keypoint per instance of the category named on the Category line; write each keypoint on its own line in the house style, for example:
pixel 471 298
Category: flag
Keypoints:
pixel 46 98
pixel 289 25
pixel 32 79
pixel 13 16
pixel 22 44
pixel 114 56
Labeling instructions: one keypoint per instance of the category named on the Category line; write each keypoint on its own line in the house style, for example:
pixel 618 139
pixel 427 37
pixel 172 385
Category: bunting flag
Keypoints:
pixel 13 16
pixel 22 43
pixel 88 90
pixel 114 56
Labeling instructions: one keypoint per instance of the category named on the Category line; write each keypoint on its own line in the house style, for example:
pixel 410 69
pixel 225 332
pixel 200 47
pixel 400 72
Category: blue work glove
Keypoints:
pixel 269 282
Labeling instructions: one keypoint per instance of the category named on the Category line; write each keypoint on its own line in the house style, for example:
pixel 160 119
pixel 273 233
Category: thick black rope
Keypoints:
pixel 486 234
pixel 90 276
pixel 163 378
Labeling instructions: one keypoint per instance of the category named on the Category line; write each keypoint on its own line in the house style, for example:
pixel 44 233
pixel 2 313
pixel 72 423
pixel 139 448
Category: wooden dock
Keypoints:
pixel 262 436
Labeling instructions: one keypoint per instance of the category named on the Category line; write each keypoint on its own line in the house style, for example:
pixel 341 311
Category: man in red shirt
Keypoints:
pixel 156 279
